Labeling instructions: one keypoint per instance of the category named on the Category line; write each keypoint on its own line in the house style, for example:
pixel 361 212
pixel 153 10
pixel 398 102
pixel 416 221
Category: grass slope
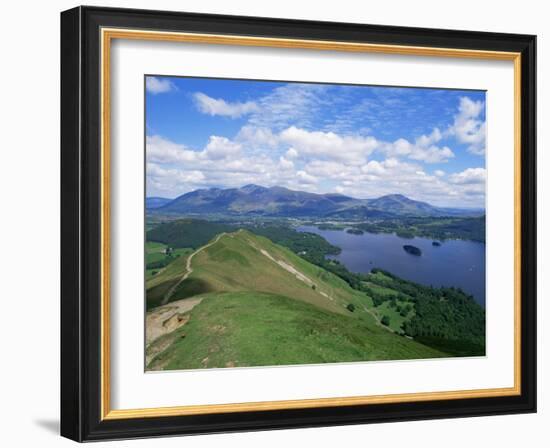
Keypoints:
pixel 264 305
pixel 238 329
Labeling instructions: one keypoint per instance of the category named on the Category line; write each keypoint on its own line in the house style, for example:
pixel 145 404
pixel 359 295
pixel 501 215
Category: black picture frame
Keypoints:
pixel 81 224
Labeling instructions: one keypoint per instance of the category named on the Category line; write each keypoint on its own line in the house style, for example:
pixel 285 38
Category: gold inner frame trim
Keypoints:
pixel 107 35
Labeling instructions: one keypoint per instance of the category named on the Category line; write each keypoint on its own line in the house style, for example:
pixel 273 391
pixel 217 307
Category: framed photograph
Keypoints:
pixel 276 224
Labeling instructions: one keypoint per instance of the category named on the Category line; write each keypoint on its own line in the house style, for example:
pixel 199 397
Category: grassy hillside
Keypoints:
pixel 242 261
pixel 264 305
pixel 259 329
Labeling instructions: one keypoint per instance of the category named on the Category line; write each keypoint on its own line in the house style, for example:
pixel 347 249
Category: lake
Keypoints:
pixel 456 263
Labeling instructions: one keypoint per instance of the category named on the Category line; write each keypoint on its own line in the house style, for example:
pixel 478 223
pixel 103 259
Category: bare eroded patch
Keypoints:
pixel 167 318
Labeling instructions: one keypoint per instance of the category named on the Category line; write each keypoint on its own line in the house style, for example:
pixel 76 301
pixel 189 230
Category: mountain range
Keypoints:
pixel 255 200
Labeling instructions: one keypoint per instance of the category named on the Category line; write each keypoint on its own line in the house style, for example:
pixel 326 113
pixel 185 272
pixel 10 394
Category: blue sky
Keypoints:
pixel 364 141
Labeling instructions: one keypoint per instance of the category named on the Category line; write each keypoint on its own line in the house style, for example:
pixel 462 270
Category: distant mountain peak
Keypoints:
pixel 249 188
pixel 398 196
pixel 400 204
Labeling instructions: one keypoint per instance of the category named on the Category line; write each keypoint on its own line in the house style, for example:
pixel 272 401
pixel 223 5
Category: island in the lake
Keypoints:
pixel 436 243
pixel 355 231
pixel 413 250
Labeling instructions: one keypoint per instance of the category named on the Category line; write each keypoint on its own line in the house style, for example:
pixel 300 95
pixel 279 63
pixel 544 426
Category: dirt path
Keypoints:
pixel 188 269
pixel 377 320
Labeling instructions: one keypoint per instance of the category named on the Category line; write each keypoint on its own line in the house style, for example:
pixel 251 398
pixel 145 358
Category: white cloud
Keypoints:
pixel 330 169
pixel 170 180
pixel 255 137
pixel 213 106
pixel 424 148
pixel 468 128
pixel 370 179
pixel 433 154
pixel 428 140
pixel 305 178
pixel 469 176
pixel 155 85
pixel 173 169
pixel 220 148
pixel 292 153
pixel 286 164
pixel 157 171
pixel 328 145
pixel 373 167
pixel 377 178
pixel 439 173
pixel 291 104
pixel 393 175
pixel 162 150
